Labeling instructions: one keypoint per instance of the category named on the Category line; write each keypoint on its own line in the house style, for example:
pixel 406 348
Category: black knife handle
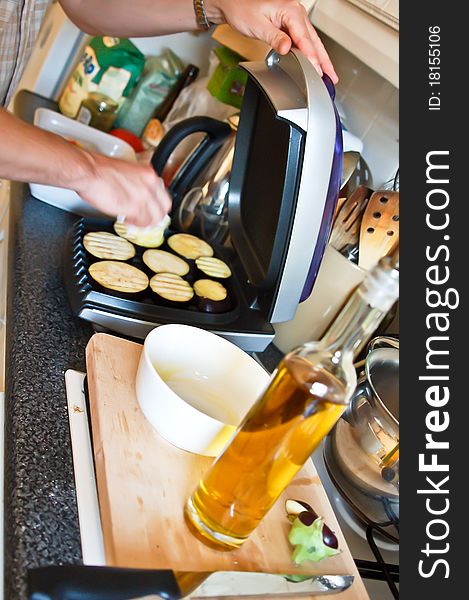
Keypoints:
pixel 77 582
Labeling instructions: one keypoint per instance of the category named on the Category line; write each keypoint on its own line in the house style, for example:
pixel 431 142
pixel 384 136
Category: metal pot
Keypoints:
pixel 362 451
pixel 373 412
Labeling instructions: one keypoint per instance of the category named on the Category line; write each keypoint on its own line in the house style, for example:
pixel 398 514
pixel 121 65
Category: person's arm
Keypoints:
pixel 113 186
pixel 279 23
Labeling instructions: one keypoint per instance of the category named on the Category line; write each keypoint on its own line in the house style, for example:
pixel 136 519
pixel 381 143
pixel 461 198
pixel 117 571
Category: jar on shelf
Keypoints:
pixel 98 111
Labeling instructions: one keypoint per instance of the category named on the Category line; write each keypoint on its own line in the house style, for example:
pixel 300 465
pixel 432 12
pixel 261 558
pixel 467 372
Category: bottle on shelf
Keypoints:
pixel 189 75
pixel 307 394
pixel 98 111
pixel 154 130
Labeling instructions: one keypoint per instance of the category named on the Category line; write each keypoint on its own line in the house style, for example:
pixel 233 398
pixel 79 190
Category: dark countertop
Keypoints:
pixel 44 339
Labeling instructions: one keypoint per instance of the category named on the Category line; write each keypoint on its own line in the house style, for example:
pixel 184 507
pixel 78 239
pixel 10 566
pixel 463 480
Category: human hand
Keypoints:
pixel 280 23
pixel 118 187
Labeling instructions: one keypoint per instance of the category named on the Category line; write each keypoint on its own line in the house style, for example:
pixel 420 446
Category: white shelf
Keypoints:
pixel 365 35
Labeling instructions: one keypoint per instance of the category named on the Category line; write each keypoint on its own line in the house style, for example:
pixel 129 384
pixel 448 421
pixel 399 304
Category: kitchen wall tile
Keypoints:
pixel 364 100
pixel 371 107
pixel 381 142
pixel 347 65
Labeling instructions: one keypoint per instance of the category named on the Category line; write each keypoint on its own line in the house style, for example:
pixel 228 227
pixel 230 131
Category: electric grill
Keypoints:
pixel 283 191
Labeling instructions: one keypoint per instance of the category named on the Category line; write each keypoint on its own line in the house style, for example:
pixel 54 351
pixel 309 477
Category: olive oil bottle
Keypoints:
pixel 306 396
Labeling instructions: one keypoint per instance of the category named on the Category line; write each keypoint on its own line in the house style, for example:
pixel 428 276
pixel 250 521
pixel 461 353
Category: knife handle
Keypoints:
pixel 79 582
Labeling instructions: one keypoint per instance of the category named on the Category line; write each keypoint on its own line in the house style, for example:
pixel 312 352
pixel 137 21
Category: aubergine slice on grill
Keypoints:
pixel 160 261
pixel 172 288
pixel 104 245
pixel 119 277
pixel 213 267
pixel 147 237
pixel 211 296
pixel 189 246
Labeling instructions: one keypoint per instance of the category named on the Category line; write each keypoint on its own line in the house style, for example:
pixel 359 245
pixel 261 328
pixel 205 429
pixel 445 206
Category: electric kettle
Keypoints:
pixel 203 211
pixel 216 133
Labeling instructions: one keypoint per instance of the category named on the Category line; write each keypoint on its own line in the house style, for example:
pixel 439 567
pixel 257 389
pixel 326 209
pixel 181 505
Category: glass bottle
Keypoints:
pixel 189 75
pixel 154 131
pixel 98 111
pixel 307 394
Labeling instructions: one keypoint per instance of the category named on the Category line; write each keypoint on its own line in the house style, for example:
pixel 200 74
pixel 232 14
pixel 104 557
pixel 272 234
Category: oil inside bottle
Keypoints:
pixel 298 409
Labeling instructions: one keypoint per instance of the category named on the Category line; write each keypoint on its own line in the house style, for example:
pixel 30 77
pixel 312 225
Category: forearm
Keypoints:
pixel 32 155
pixel 279 23
pixel 136 18
pixel 114 187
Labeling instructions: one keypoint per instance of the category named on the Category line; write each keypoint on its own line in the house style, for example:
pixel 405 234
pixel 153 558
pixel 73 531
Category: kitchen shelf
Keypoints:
pixel 369 30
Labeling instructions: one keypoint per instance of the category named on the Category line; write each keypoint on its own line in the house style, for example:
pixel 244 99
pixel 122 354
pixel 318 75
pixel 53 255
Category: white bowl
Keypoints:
pixel 90 138
pixel 195 387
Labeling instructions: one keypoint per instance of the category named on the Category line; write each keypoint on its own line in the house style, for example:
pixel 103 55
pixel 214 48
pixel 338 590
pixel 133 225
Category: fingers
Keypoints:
pixel 130 189
pixel 323 57
pixel 276 38
pixel 153 203
pixel 281 24
pixel 140 218
pixel 165 198
pixel 294 20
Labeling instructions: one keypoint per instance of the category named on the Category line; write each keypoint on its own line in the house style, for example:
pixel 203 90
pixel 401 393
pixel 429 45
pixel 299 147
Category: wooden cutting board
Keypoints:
pixel 143 483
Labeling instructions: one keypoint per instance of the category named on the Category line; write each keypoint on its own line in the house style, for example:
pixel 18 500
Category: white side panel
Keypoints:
pixel 55 54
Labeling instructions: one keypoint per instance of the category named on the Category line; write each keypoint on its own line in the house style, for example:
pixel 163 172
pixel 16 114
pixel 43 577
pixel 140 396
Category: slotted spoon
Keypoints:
pixel 346 229
pixel 379 232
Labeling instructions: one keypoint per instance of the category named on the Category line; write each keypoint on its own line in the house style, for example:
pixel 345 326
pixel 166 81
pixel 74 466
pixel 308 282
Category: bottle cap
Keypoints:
pixel 153 133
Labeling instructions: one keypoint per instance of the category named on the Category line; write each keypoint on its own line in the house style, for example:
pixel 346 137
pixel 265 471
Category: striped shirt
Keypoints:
pixel 20 21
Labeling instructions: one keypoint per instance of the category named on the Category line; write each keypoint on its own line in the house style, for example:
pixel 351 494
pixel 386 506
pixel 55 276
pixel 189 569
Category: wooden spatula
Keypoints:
pixel 379 232
pixel 340 203
pixel 346 229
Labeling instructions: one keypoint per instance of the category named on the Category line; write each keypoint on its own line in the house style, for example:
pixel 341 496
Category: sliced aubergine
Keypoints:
pixel 213 267
pixel 147 237
pixel 102 244
pixel 118 276
pixel 211 296
pixel 171 287
pixel 160 261
pixel 189 246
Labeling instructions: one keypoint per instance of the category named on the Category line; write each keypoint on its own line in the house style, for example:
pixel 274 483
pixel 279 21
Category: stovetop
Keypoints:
pixel 355 533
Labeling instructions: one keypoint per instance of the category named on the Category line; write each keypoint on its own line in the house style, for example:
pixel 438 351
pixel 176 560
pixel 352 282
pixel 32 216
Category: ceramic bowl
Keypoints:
pixel 195 387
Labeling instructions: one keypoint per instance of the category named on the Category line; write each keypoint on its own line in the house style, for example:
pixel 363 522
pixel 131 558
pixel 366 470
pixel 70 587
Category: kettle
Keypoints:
pixel 216 133
pixel 203 210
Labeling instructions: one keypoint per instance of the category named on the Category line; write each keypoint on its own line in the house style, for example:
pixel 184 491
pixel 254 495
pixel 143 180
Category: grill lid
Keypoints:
pixel 285 180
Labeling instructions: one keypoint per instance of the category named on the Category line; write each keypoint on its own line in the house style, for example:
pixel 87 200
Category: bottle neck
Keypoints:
pixel 355 324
